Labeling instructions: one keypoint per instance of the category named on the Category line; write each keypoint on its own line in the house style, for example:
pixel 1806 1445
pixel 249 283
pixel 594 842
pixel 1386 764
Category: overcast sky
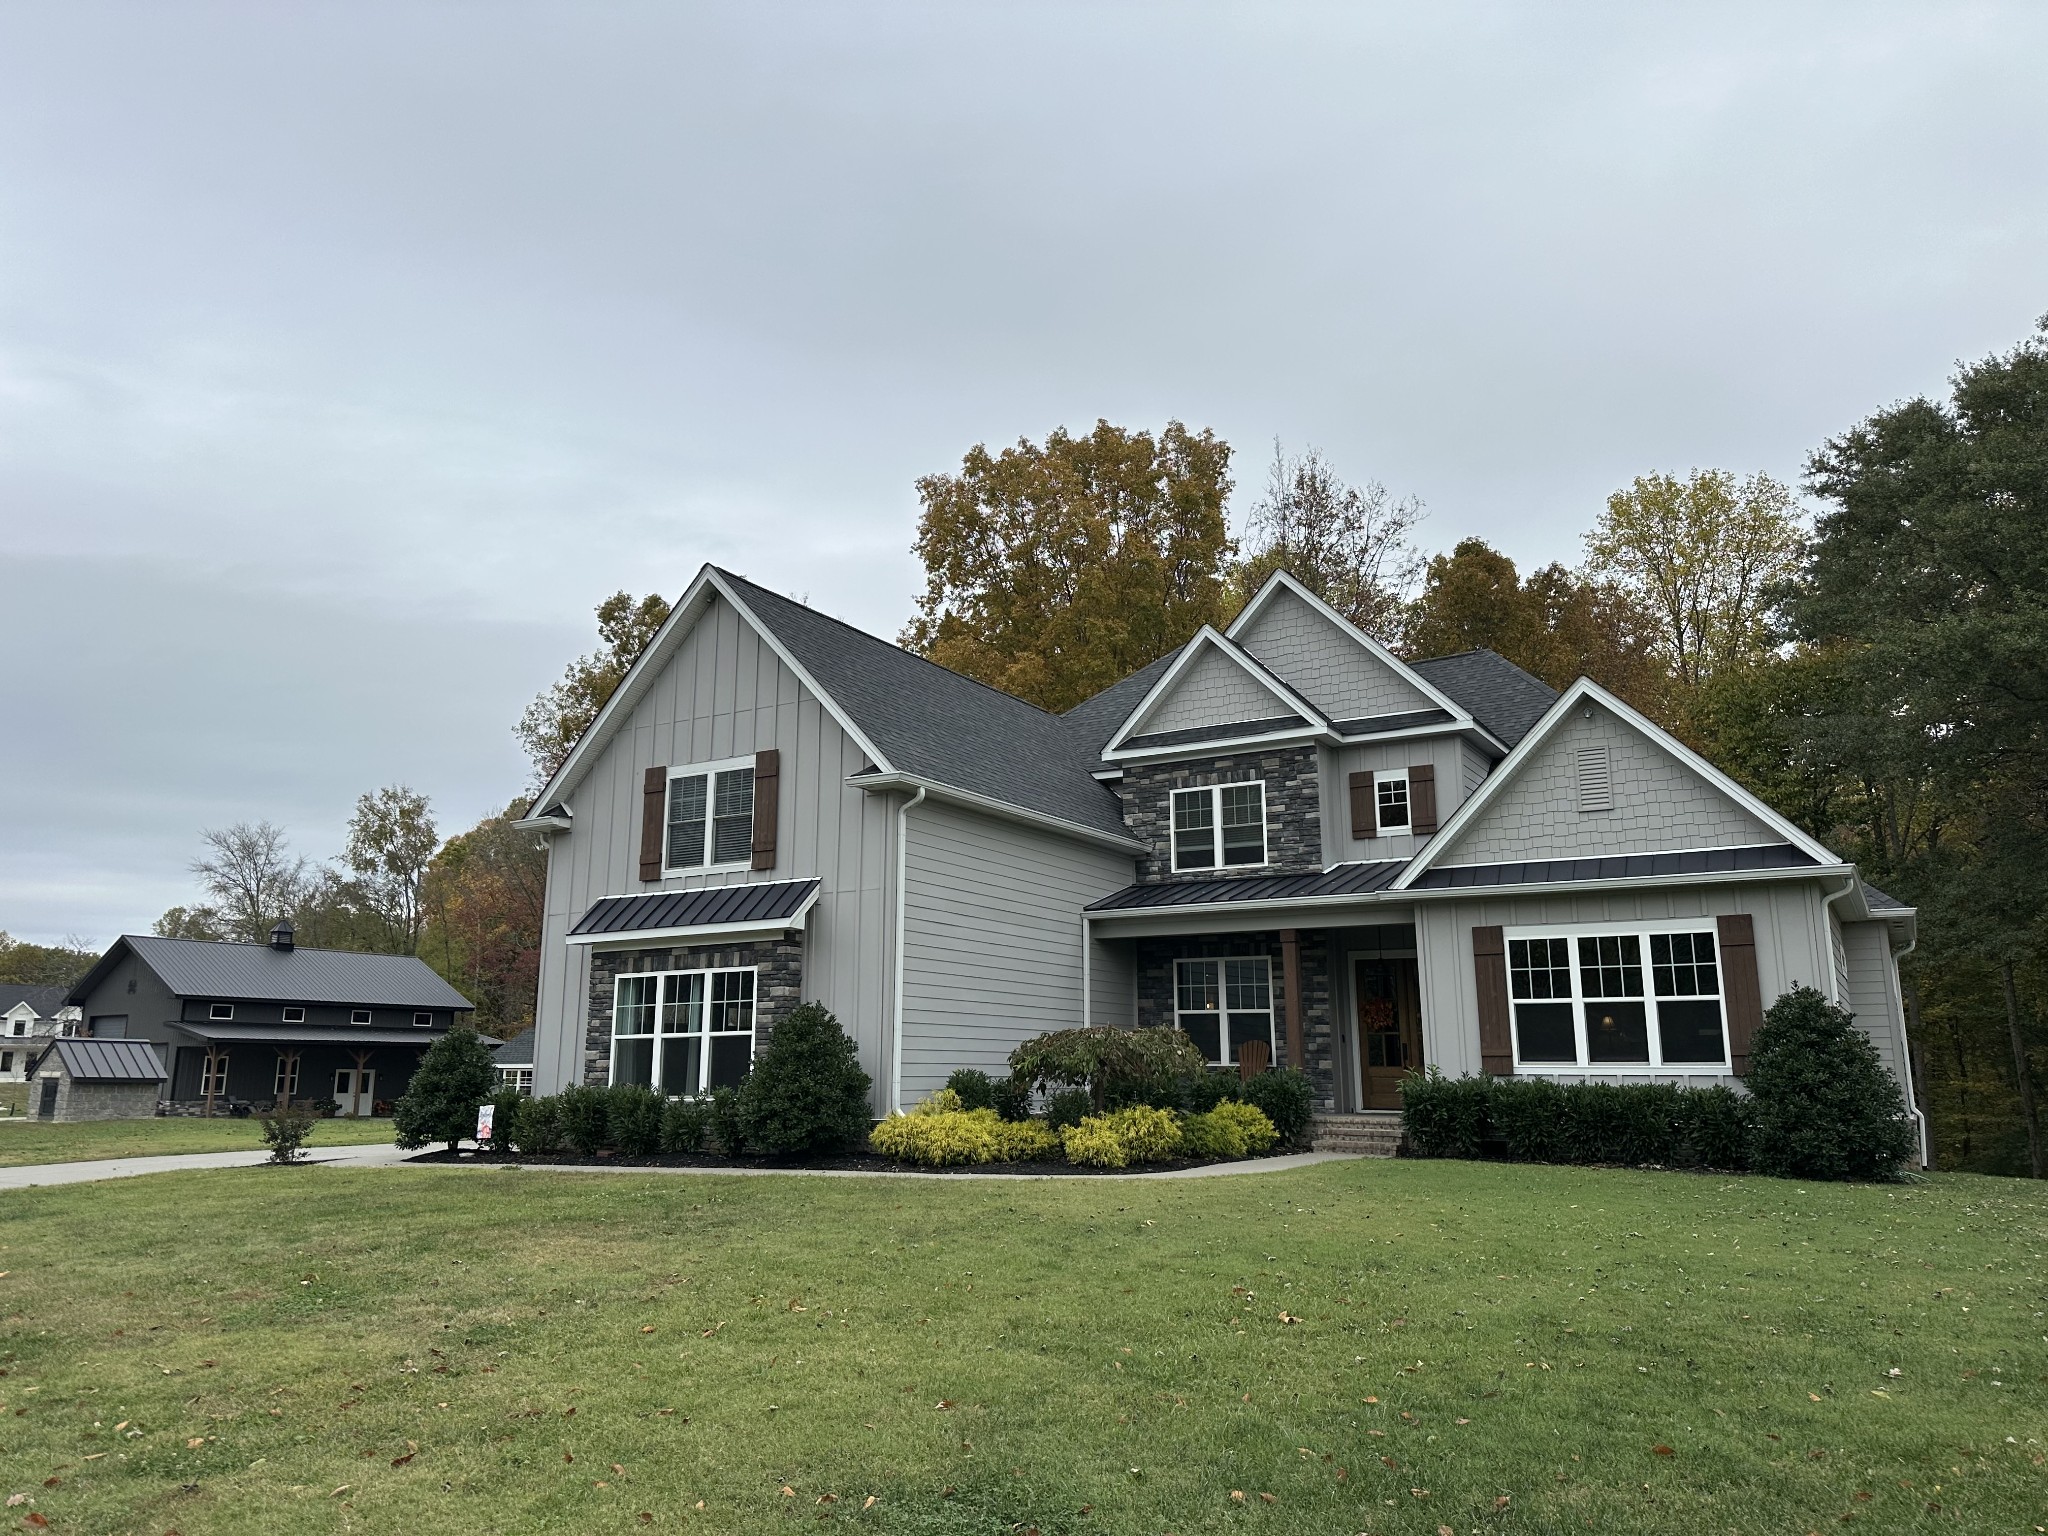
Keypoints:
pixel 351 353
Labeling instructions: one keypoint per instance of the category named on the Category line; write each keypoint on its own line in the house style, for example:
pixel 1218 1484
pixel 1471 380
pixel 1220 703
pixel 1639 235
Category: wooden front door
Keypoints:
pixel 1389 1028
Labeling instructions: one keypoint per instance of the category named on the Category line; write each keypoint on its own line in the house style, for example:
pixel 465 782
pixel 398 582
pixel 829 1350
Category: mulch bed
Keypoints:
pixel 840 1162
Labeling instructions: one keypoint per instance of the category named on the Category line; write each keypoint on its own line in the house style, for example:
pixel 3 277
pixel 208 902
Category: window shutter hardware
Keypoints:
pixel 1741 989
pixel 1365 814
pixel 767 780
pixel 1490 970
pixel 1422 798
pixel 653 811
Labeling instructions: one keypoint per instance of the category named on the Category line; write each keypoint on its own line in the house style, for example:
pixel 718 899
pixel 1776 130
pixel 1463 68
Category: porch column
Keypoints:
pixel 1290 973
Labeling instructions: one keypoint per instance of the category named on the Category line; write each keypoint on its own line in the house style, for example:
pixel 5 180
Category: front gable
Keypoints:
pixel 1215 689
pixel 1316 653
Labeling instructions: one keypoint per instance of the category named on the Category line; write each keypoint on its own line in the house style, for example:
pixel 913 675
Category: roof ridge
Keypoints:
pixel 296 949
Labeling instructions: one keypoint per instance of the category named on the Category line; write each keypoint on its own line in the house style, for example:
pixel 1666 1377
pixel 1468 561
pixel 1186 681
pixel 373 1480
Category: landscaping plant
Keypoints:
pixel 285 1131
pixel 1230 1130
pixel 1287 1097
pixel 1116 1066
pixel 633 1120
pixel 722 1125
pixel 944 1137
pixel 976 1090
pixel 1136 1134
pixel 807 1092
pixel 1070 1106
pixel 452 1079
pixel 537 1126
pixel 505 1118
pixel 682 1126
pixel 587 1119
pixel 1825 1107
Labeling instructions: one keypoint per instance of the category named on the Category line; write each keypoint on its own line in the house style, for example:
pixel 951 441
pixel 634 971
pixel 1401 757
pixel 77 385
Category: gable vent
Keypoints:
pixel 1596 779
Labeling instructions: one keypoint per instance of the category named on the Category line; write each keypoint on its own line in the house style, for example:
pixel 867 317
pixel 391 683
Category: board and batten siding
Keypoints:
pixel 1444 753
pixel 1792 947
pixel 1336 674
pixel 992 941
pixel 724 694
pixel 1659 805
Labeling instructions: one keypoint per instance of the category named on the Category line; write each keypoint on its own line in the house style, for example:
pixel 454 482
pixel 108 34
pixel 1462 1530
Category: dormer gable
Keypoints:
pixel 1213 691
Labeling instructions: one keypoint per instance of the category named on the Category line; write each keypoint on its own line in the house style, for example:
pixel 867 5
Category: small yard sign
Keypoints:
pixel 483 1121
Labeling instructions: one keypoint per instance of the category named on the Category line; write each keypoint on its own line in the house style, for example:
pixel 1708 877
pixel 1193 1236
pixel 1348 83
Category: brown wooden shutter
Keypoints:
pixel 1422 798
pixel 767 780
pixel 1490 969
pixel 1365 811
pixel 653 812
pixel 1742 994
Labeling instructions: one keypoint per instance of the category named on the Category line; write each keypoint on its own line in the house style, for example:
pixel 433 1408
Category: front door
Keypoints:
pixel 356 1092
pixel 1389 1028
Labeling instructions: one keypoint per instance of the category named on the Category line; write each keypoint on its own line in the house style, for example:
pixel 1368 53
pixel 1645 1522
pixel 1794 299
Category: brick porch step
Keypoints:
pixel 1370 1133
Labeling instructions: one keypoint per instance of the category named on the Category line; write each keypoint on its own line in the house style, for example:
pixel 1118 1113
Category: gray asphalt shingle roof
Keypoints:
pixel 1094 720
pixel 935 723
pixel 1496 692
pixel 199 968
pixel 45 1000
pixel 107 1061
pixel 516 1052
pixel 753 902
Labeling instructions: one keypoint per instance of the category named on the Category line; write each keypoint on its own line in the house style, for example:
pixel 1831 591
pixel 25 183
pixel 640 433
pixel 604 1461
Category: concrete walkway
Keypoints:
pixel 391 1157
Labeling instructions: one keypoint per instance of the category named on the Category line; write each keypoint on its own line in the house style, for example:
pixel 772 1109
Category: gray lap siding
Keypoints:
pixel 778 966
pixel 1294 818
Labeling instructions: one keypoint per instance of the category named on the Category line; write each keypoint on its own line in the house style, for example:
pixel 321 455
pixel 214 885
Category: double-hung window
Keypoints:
pixel 1219 826
pixel 1617 999
pixel 213 1074
pixel 1390 794
pixel 1221 1004
pixel 710 823
pixel 683 1032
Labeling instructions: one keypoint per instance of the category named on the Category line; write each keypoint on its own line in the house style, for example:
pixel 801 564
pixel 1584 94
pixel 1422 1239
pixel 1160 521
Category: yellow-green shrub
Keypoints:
pixel 1140 1134
pixel 944 1137
pixel 945 1102
pixel 1229 1130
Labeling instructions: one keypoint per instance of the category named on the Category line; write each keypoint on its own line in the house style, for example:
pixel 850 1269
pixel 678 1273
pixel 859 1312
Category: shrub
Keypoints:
pixel 633 1121
pixel 946 1137
pixel 1444 1116
pixel 807 1092
pixel 1230 1130
pixel 1715 1128
pixel 285 1131
pixel 1287 1097
pixel 586 1119
pixel 976 1090
pixel 1825 1108
pixel 505 1118
pixel 1138 1134
pixel 1010 1099
pixel 722 1123
pixel 452 1079
pixel 1206 1090
pixel 682 1126
pixel 1528 1114
pixel 1070 1106
pixel 537 1126
pixel 945 1102
pixel 1114 1065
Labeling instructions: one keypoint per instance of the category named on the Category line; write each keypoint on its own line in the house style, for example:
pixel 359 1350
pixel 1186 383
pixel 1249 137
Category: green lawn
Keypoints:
pixel 1377 1346
pixel 33 1141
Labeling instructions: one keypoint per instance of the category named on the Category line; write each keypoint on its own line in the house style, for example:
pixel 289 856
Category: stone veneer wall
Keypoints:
pixel 1318 1025
pixel 1294 816
pixel 778 987
pixel 98 1101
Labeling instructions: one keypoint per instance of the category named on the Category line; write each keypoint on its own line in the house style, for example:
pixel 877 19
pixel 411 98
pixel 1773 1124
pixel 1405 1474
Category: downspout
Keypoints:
pixel 1906 1055
pixel 1087 991
pixel 902 880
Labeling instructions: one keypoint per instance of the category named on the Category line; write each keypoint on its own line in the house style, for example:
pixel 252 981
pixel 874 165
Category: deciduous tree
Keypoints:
pixel 563 712
pixel 252 876
pixel 483 897
pixel 391 839
pixel 1351 545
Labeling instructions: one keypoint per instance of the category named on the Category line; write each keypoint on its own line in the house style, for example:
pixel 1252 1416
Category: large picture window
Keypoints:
pixel 1220 1004
pixel 683 1032
pixel 710 823
pixel 1219 826
pixel 1617 999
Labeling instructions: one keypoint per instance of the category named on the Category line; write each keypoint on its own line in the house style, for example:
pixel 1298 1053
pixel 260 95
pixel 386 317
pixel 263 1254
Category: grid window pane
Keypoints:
pixel 682 1003
pixel 733 817
pixel 1196 987
pixel 686 800
pixel 1539 968
pixel 1682 965
pixel 633 1061
pixel 1393 802
pixel 732 1002
pixel 1248 984
pixel 1244 823
pixel 1194 829
pixel 633 1013
pixel 1611 966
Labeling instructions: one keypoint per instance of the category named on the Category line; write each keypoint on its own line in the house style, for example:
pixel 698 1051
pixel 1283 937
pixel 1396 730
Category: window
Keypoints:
pixel 1593 1001
pixel 710 818
pixel 1595 779
pixel 295 1015
pixel 359 1016
pixel 520 1079
pixel 21 1026
pixel 220 1010
pixel 286 1083
pixel 1220 1004
pixel 423 1021
pixel 683 1032
pixel 1229 816
pixel 6 1061
pixel 213 1074
pixel 1390 790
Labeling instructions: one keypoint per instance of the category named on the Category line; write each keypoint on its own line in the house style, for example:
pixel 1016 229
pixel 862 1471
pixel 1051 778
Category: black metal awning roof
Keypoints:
pixel 1628 866
pixel 1344 880
pixel 310 1034
pixel 755 903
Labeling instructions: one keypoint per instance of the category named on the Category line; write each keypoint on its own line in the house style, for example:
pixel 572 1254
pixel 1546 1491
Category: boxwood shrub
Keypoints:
pixel 1540 1120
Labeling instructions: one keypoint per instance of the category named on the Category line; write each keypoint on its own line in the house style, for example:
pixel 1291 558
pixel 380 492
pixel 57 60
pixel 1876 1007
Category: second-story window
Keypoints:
pixel 1391 792
pixel 1219 826
pixel 710 818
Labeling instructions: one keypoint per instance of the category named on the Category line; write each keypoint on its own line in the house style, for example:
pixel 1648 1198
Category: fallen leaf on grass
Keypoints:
pixel 1662 1450
pixel 1372 1400
pixel 35 1521
pixel 870 1501
pixel 621 1471
pixel 1813 1397
pixel 1390 1464
pixel 649 1328
pixel 51 1482
pixel 15 1500
pixel 645 1517
pixel 788 1492
pixel 1237 1495
pixel 828 1498
pixel 412 1449
pixel 1464 1421
pixel 1267 1498
pixel 710 1331
pixel 344 1488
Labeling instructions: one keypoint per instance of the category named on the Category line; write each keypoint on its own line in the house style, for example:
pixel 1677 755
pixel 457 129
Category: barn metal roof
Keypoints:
pixel 199 968
pixel 754 902
pixel 106 1061
pixel 312 1034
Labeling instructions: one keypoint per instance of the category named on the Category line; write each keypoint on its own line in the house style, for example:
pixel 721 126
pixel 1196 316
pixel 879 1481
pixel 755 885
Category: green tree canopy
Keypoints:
pixel 44 965
pixel 563 711
pixel 1053 570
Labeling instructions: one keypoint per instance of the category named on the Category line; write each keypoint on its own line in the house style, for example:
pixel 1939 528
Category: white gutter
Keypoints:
pixel 951 795
pixel 902 879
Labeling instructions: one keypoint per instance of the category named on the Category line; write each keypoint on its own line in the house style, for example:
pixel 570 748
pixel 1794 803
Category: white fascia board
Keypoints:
pixel 1510 767
pixel 557 823
pixel 1280 579
pixel 1250 666
pixel 988 805
pixel 1441 728
pixel 1293 735
pixel 692 606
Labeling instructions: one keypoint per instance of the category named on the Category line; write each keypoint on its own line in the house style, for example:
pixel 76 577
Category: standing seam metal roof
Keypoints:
pixel 1631 866
pixel 752 902
pixel 1344 880
pixel 107 1061
pixel 200 968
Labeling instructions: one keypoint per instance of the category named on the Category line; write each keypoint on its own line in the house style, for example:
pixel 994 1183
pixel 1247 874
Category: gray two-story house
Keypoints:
pixel 1281 839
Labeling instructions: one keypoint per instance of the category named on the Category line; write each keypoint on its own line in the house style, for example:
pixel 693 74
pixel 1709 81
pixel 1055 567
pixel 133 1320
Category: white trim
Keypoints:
pixel 1379 825
pixel 1214 744
pixel 1644 930
pixel 294 1008
pixel 219 1013
pixel 361 1016
pixel 1379 652
pixel 710 773
pixel 902 924
pixel 1249 665
pixel 1215 793
pixel 1510 767
pixel 999 808
pixel 704 1032
pixel 1223 1008
pixel 554 821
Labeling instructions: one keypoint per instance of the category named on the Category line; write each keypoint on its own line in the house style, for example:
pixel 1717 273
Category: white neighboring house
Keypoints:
pixel 514 1061
pixel 28 1017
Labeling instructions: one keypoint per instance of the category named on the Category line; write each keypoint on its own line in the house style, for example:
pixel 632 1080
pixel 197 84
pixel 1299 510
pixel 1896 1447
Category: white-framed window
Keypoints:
pixel 213 1074
pixel 1390 796
pixel 710 817
pixel 519 1079
pixel 423 1021
pixel 294 1015
pixel 1618 998
pixel 20 1027
pixel 1219 826
pixel 683 1032
pixel 359 1016
pixel 286 1081
pixel 220 1010
pixel 6 1061
pixel 1220 1004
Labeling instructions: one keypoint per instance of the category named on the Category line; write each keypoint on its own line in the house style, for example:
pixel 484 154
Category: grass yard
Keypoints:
pixel 1378 1346
pixel 35 1141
